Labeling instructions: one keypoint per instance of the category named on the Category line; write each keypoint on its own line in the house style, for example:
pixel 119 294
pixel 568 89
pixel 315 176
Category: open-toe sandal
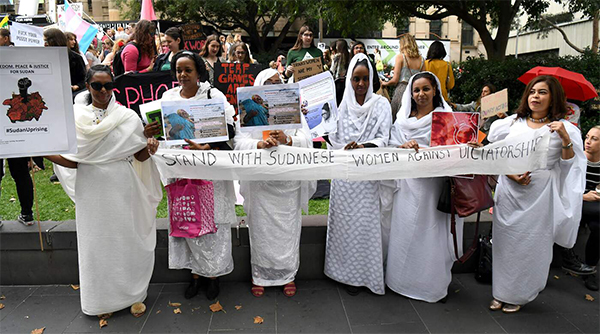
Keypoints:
pixel 495 305
pixel 289 290
pixel 257 290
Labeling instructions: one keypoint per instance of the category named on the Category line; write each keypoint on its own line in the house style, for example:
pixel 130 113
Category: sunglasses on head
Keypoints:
pixel 98 86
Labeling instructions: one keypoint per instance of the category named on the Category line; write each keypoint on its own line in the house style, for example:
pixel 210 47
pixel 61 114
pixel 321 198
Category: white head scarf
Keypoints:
pixel 264 75
pixel 356 111
pixel 406 128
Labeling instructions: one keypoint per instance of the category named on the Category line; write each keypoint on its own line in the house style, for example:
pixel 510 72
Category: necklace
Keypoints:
pixel 538 120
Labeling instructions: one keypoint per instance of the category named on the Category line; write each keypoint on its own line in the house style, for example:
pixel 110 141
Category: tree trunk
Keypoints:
pixel 595 31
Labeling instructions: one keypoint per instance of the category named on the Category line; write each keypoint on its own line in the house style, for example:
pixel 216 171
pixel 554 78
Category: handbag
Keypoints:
pixel 483 273
pixel 464 197
pixel 191 208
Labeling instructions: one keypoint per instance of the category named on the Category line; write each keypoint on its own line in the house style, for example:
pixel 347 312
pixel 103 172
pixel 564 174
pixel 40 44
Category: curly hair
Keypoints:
pixel 209 39
pixel 408 45
pixel 558 100
pixel 143 35
pixel 437 98
pixel 198 63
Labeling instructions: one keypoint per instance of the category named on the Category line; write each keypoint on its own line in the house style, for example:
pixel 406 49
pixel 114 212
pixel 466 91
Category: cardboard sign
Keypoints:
pixel 131 90
pixel 26 35
pixel 454 128
pixel 494 104
pixel 230 76
pixel 307 68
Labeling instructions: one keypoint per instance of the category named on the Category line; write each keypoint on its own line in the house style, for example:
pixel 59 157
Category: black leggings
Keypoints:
pixel 591 216
pixel 19 170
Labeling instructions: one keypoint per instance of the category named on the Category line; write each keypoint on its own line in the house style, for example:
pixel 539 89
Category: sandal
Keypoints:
pixel 495 305
pixel 257 290
pixel 289 290
pixel 510 308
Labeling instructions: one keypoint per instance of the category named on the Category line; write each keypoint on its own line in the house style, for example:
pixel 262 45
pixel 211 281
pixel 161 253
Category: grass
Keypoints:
pixel 55 205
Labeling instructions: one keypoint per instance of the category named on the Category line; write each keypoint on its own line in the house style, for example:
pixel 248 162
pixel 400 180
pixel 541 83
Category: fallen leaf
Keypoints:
pixel 177 311
pixel 456 291
pixel 1 306
pixel 74 286
pixel 258 320
pixel 174 304
pixel 55 182
pixel 556 277
pixel 103 323
pixel 216 307
pixel 238 307
pixel 12 199
pixel 3 297
pixel 66 210
pixel 588 297
pixel 157 312
pixel 38 330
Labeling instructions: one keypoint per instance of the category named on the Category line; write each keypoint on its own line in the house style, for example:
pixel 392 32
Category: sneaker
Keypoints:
pixel 26 220
pixel 591 282
pixel 572 264
pixel 54 178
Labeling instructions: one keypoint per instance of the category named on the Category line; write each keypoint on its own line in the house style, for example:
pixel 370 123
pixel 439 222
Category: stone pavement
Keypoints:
pixel 320 306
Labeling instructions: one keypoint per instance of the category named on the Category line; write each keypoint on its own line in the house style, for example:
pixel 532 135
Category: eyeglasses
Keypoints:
pixel 98 86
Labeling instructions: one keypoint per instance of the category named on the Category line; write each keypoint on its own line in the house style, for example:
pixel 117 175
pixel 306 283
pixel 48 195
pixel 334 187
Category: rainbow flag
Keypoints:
pixel 74 23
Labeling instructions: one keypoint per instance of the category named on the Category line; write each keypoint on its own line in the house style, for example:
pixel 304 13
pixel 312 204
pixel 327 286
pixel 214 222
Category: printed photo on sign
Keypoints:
pixel 200 121
pixel 151 112
pixel 318 104
pixel 272 107
pixel 454 128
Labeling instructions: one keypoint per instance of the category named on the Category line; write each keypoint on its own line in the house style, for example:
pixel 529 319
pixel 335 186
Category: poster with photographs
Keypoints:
pixel 270 107
pixel 201 121
pixel 36 116
pixel 318 104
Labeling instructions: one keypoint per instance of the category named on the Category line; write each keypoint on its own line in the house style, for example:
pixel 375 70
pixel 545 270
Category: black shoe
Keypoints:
pixel 572 264
pixel 192 289
pixel 591 282
pixel 26 220
pixel 443 300
pixel 352 290
pixel 212 291
pixel 54 178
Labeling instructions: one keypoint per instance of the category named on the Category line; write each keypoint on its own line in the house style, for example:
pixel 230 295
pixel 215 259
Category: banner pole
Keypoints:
pixel 35 198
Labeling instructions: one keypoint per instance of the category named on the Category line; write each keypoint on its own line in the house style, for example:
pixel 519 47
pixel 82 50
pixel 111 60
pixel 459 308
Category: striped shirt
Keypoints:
pixel 592 175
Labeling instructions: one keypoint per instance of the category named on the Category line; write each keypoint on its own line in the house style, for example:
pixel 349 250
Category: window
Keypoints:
pixel 466 34
pixel 435 29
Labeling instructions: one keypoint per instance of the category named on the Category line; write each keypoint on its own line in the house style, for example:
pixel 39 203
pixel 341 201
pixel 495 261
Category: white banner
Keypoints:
pixel 514 155
pixel 26 35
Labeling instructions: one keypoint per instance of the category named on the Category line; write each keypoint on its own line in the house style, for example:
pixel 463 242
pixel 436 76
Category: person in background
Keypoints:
pixel 442 69
pixel 475 106
pixel 228 44
pixel 107 46
pixel 378 62
pixel 223 41
pixel 303 49
pixel 174 41
pixel 92 56
pixel 238 53
pixel 55 37
pixel 341 60
pixel 211 54
pixel 74 45
pixel 139 56
pixel 121 34
pixel 5 38
pixel 327 59
pixel 108 60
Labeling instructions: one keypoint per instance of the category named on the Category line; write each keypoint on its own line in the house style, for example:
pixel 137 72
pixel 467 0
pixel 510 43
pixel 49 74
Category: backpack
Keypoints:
pixel 118 67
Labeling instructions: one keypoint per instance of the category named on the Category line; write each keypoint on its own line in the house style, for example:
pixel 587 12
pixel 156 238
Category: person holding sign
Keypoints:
pixel 116 188
pixel 303 49
pixel 354 253
pixel 209 255
pixel 420 254
pixel 539 208
pixel 274 208
pixel 475 106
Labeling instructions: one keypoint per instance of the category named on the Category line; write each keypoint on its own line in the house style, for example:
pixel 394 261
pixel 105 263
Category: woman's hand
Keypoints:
pixel 411 144
pixel 74 87
pixel 152 129
pixel 523 179
pixel 474 144
pixel 196 146
pixel 280 137
pixel 559 128
pixel 152 145
pixel 502 115
pixel 353 145
pixel 591 196
pixel 289 71
pixel 267 143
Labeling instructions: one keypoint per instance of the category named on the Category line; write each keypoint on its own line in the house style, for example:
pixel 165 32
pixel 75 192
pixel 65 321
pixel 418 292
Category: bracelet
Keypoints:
pixel 568 146
pixel 287 139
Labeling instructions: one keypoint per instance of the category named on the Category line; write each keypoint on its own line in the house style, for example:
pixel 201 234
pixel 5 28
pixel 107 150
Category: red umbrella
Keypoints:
pixel 575 85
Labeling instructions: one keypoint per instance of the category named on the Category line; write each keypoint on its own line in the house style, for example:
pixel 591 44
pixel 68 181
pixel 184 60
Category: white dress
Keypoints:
pixel 210 254
pixel 116 199
pixel 354 251
pixel 528 220
pixel 421 251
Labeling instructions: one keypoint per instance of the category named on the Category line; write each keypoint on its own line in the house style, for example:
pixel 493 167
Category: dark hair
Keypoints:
pixel 342 49
pixel 490 86
pixel 558 101
pixel 143 36
pixel 303 29
pixel 211 38
pixel 436 51
pixel 175 33
pixel 4 32
pixel 55 37
pixel 437 98
pixel 73 36
pixel 91 72
pixel 247 59
pixel 198 62
pixel 358 43
pixel 332 46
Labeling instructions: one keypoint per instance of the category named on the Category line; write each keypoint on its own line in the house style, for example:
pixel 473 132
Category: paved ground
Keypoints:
pixel 319 307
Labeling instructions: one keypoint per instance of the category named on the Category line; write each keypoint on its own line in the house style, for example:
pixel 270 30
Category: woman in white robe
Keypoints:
pixel 209 255
pixel 354 252
pixel 274 208
pixel 421 251
pixel 116 189
pixel 539 208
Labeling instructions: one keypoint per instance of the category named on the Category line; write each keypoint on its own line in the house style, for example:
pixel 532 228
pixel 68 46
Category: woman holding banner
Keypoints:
pixel 539 208
pixel 116 188
pixel 274 208
pixel 421 251
pixel 209 255
pixel 354 253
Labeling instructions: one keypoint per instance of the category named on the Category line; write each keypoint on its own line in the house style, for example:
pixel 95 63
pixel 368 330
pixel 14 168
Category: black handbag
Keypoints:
pixel 483 273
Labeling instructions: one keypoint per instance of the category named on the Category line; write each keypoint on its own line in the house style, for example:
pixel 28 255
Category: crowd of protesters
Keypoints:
pixel 379 233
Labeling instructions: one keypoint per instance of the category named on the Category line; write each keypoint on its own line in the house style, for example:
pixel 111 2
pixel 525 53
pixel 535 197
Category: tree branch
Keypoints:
pixel 565 37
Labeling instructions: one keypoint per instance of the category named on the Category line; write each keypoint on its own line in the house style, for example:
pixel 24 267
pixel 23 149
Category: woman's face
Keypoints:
pixel 274 80
pixel 4 40
pixel 423 92
pixel 72 42
pixel 358 48
pixel 307 38
pixel 186 72
pixel 592 141
pixel 360 81
pixel 172 44
pixel 485 91
pixel 539 98
pixel 100 97
pixel 213 48
pixel 240 53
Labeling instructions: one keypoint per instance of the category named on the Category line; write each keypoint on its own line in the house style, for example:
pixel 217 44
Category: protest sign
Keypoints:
pixel 193 37
pixel 514 155
pixel 26 35
pixel 318 104
pixel 307 68
pixel 494 104
pixel 151 112
pixel 453 128
pixel 37 109
pixel 270 107
pixel 134 89
pixel 202 121
pixel 230 76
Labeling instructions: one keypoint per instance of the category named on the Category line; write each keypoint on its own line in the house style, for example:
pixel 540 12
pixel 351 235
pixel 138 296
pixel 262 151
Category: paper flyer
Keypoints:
pixel 318 104
pixel 202 121
pixel 270 107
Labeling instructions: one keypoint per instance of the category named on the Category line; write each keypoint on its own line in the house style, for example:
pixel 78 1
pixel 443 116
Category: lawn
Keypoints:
pixel 55 205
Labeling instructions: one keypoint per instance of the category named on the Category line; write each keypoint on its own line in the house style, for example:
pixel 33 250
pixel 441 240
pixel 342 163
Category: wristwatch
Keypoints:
pixel 568 146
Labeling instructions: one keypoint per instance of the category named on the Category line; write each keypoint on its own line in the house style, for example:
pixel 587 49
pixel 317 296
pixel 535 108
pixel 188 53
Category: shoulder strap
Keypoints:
pixel 422 63
pixel 448 76
pixel 405 61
